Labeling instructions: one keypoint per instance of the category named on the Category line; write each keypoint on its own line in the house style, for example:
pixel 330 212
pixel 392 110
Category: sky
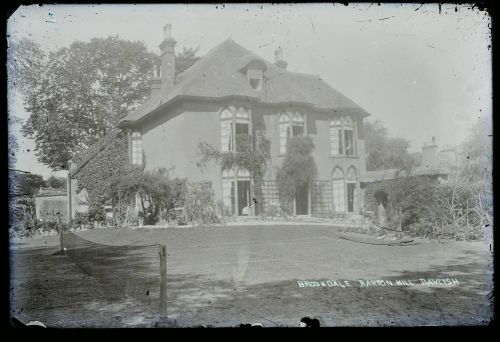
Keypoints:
pixel 420 70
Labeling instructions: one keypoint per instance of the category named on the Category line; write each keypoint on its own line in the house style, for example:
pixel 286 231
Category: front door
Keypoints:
pixel 302 200
pixel 350 196
pixel 243 195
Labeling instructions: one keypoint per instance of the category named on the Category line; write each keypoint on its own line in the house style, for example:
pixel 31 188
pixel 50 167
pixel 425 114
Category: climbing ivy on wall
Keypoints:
pixel 297 169
pixel 253 154
pixel 106 161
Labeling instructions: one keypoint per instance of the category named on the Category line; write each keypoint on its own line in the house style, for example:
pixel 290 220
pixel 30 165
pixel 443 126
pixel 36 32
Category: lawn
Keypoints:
pixel 224 276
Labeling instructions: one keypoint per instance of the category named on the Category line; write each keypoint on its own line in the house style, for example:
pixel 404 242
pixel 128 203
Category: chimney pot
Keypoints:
pixel 278 58
pixel 167 31
pixel 167 55
pixel 278 54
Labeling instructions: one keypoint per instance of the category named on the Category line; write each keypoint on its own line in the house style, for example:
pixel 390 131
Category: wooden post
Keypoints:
pixel 163 280
pixel 70 207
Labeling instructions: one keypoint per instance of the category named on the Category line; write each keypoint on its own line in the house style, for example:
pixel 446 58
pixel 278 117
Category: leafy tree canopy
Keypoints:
pixel 476 157
pixel 56 182
pixel 384 152
pixel 26 183
pixel 76 94
pixel 185 58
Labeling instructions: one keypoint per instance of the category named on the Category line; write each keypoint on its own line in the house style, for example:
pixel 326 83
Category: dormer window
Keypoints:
pixel 255 78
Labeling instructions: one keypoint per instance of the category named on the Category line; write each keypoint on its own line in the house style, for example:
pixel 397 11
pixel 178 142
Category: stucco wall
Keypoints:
pixel 51 207
pixel 171 139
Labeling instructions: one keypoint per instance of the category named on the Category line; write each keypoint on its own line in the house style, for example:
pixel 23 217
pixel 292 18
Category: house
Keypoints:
pixel 437 164
pixel 51 205
pixel 232 93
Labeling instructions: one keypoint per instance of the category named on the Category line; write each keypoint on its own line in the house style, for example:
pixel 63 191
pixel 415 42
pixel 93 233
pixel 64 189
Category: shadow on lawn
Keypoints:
pixel 50 288
pixel 199 300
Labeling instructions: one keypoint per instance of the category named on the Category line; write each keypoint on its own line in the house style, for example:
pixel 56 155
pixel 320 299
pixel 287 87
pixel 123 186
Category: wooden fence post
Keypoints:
pixel 163 280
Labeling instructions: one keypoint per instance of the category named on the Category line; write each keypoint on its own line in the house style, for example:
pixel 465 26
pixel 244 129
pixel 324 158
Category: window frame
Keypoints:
pixel 230 178
pixel 341 125
pixel 339 190
pixel 136 148
pixel 351 177
pixel 287 121
pixel 240 115
pixel 255 74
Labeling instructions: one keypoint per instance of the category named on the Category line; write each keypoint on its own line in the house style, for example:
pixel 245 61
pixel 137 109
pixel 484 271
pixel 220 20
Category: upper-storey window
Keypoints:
pixel 226 130
pixel 342 136
pixel 136 148
pixel 349 136
pixel 255 78
pixel 235 129
pixel 291 124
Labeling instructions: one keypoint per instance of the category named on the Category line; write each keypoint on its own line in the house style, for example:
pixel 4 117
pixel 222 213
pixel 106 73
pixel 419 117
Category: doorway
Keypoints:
pixel 302 200
pixel 351 187
pixel 243 195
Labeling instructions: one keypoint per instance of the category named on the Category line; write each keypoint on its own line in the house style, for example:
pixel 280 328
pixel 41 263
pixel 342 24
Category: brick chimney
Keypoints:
pixel 167 54
pixel 278 58
pixel 156 80
pixel 430 155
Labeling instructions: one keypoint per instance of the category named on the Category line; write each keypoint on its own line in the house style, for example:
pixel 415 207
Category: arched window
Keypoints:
pixel 243 173
pixel 136 148
pixel 351 181
pixel 242 129
pixel 292 124
pixel 226 130
pixel 235 184
pixel 336 137
pixel 235 129
pixel 298 124
pixel 228 189
pixel 338 187
pixel 342 136
pixel 349 136
pixel 284 132
pixel 351 174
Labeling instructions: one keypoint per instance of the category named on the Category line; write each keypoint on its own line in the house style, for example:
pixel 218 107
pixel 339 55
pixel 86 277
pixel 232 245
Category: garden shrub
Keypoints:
pixel 201 206
pixel 156 195
pixel 298 168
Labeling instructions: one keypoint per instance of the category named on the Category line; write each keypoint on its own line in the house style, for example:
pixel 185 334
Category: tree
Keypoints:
pixel 23 57
pixel 475 158
pixel 56 182
pixel 13 144
pixel 100 165
pixel 25 60
pixel 298 168
pixel 186 58
pixel 475 172
pixel 76 94
pixel 383 152
pixel 27 183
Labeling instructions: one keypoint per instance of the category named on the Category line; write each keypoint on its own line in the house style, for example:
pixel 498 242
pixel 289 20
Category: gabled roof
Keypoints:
pixel 217 75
